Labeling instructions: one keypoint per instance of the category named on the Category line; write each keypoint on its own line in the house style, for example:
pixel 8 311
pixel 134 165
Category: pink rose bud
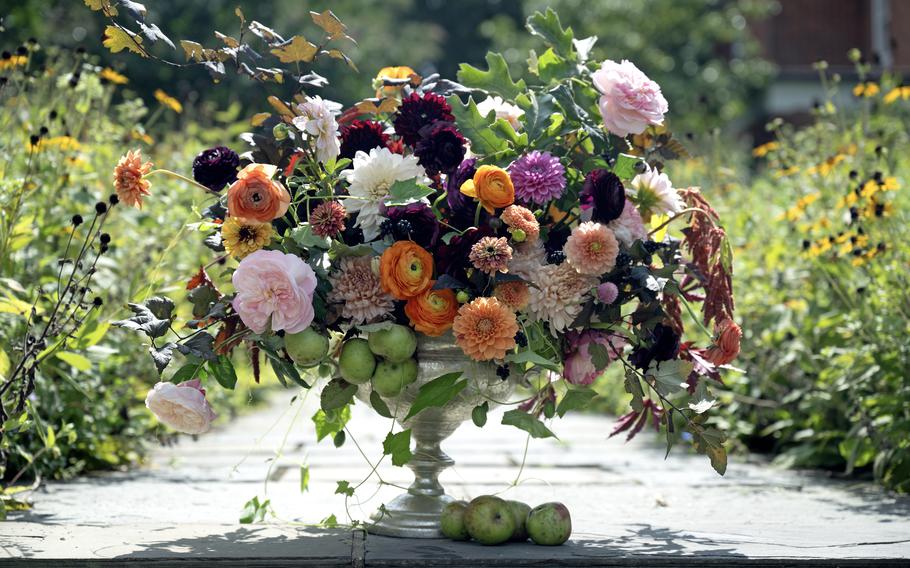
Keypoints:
pixel 607 292
pixel 183 407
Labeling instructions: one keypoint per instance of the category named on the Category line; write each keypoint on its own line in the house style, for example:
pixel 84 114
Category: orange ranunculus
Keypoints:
pixel 402 72
pixel 492 186
pixel 433 311
pixel 256 197
pixel 405 270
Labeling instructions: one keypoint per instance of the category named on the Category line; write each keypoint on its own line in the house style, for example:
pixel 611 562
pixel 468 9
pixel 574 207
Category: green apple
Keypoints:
pixel 520 513
pixel 356 363
pixel 549 524
pixel 451 521
pixel 489 520
pixel 395 343
pixel 307 347
pixel 390 378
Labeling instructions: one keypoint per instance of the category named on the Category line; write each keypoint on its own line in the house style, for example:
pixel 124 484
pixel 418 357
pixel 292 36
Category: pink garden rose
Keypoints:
pixel 182 407
pixel 629 101
pixel 273 285
pixel 579 365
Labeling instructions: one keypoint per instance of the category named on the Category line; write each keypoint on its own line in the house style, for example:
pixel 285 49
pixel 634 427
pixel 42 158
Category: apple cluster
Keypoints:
pixel 491 520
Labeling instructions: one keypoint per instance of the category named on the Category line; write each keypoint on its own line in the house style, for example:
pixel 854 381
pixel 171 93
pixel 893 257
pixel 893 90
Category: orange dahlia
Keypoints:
pixel 513 294
pixel 485 329
pixel 433 311
pixel 128 179
pixel 405 270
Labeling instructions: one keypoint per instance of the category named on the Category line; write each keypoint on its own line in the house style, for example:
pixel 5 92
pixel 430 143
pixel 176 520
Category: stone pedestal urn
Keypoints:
pixel 415 514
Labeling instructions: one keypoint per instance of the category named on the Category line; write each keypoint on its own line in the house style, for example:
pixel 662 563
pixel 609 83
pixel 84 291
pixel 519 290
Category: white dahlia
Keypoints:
pixel 653 192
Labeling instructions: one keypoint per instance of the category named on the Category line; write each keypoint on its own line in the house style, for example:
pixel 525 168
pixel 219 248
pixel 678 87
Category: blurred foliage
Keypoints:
pixel 700 51
pixel 62 134
pixel 822 285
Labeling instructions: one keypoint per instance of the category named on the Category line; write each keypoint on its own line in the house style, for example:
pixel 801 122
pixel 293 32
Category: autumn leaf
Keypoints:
pixel 228 40
pixel 299 49
pixel 279 106
pixel 102 5
pixel 370 106
pixel 117 39
pixel 259 118
pixel 330 23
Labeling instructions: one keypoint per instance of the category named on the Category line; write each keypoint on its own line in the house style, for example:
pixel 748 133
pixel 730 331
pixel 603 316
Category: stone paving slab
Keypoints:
pixel 629 506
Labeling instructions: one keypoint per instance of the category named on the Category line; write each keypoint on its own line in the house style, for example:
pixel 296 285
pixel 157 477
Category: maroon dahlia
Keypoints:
pixel 441 148
pixel 603 192
pixel 417 111
pixel 362 136
pixel 216 167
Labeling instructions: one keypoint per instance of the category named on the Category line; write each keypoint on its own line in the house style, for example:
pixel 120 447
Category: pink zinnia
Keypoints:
pixel 592 249
pixel 538 177
pixel 491 255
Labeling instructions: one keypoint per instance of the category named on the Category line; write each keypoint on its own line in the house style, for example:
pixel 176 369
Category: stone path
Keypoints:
pixel 629 506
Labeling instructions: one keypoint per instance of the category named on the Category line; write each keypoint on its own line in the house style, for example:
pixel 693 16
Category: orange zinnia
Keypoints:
pixel 492 186
pixel 405 270
pixel 433 311
pixel 255 196
pixel 485 329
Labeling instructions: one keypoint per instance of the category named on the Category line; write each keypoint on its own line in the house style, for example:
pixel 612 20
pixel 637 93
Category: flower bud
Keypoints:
pixel 519 235
pixel 280 131
pixel 462 296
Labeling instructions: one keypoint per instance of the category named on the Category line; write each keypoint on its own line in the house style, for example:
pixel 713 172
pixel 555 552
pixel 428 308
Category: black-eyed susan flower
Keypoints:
pixel 168 101
pixel 867 89
pixel 764 149
pixel 899 92
pixel 241 238
pixel 113 77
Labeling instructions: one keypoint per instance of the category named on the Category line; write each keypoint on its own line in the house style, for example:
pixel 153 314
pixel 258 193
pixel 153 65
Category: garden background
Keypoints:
pixel 821 256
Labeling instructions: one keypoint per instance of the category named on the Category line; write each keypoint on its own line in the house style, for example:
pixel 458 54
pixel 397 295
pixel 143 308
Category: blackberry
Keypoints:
pixel 502 372
pixel 521 339
pixel 622 259
pixel 402 229
pixel 385 229
pixel 556 257
pixel 653 246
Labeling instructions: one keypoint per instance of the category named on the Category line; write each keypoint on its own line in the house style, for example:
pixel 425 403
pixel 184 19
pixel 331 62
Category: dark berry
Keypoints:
pixel 101 208
pixel 623 259
pixel 853 174
pixel 385 228
pixel 402 229
pixel 77 220
pixel 502 372
pixel 556 257
pixel 520 339
pixel 105 238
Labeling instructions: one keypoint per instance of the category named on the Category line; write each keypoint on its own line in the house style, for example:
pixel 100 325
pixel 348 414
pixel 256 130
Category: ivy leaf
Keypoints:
pixel 379 405
pixel 524 421
pixel 479 414
pixel 528 356
pixel 344 488
pixel 145 321
pixel 437 392
pixel 495 80
pixel 336 394
pixel 298 49
pixel 476 127
pixel 117 39
pixel 223 370
pixel 199 345
pixel 574 399
pixel 398 446
pixel 547 27
pixel 403 192
pixel 306 238
pixel 329 423
pixel 162 356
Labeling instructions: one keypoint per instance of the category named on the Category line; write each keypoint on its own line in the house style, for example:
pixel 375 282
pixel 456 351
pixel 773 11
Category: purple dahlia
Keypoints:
pixel 216 167
pixel 417 111
pixel 441 148
pixel 538 177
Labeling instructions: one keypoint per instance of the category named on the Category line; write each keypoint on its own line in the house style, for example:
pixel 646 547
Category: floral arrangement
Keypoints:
pixel 535 229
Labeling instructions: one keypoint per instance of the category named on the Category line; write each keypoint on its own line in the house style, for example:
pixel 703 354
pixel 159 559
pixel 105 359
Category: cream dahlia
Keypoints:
pixel 558 295
pixel 527 258
pixel 356 287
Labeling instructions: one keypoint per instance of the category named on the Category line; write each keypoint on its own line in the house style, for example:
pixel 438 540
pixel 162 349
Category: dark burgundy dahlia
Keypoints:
pixel 362 136
pixel 441 148
pixel 423 225
pixel 216 167
pixel 460 207
pixel 417 111
pixel 664 345
pixel 603 192
pixel 452 258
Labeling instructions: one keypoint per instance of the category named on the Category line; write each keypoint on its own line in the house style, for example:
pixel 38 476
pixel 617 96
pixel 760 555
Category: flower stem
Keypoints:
pixel 175 175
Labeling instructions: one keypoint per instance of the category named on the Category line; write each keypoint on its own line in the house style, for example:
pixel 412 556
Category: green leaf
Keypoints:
pixel 50 440
pixel 339 438
pixel 337 394
pixel 199 345
pixel 476 127
pixel 624 168
pixel 670 376
pixel 145 321
pixel 437 392
pixel 344 488
pixel 329 423
pixel 80 362
pixel 479 414
pixel 537 114
pixel 304 237
pixel 574 399
pixel 90 332
pixel 547 27
pixel 254 511
pixel 379 405
pixel 527 356
pixel 223 370
pixel 304 478
pixel 186 372
pixel 398 446
pixel 552 68
pixel 329 522
pixel 284 369
pixel 504 127
pixel 161 307
pixel 711 443
pixel 524 421
pixel 496 79
pixel 162 356
pixel 403 192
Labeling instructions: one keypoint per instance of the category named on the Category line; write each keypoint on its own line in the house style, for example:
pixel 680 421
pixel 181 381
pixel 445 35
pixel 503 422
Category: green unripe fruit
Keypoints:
pixel 462 296
pixel 307 347
pixel 391 378
pixel 520 513
pixel 396 343
pixel 280 131
pixel 356 363
pixel 489 520
pixel 451 522
pixel 518 235
pixel 549 524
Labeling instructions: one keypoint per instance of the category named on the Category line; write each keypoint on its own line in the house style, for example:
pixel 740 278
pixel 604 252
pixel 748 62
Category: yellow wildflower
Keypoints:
pixel 827 166
pixel 168 101
pixel 890 184
pixel 897 93
pixel 142 136
pixel 241 238
pixel 762 151
pixel 13 61
pixel 62 143
pixel 786 172
pixel 867 89
pixel 112 76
